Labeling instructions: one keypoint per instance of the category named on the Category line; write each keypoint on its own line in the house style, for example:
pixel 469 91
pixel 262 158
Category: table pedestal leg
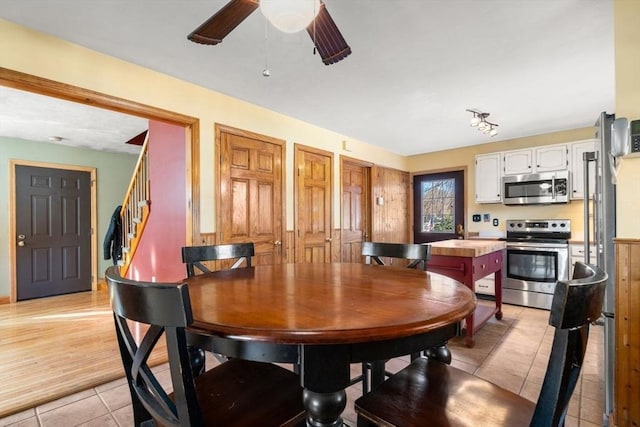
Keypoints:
pixel 441 354
pixel 324 409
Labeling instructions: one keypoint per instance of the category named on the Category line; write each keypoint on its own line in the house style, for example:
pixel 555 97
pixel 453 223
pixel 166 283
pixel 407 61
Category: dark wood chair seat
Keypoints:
pixel 250 394
pixel 194 256
pixel 429 392
pixel 235 393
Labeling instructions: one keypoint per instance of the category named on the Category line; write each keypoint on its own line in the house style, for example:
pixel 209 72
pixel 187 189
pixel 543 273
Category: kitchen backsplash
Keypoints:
pixel 490 212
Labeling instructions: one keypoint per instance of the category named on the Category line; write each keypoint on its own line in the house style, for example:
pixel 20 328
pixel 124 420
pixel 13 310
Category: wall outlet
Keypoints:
pixel 495 222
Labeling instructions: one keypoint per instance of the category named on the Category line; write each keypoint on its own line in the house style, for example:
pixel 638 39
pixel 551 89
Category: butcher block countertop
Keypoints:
pixel 466 248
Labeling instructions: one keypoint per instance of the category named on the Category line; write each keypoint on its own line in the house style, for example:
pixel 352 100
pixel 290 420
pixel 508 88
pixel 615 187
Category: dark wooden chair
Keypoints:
pixel 417 254
pixel 235 393
pixel 194 256
pixel 434 393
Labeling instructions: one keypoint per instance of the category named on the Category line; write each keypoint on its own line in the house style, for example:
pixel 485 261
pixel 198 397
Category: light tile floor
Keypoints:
pixel 512 353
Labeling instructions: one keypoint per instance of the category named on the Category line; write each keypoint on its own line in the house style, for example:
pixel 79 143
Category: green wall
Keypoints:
pixel 113 172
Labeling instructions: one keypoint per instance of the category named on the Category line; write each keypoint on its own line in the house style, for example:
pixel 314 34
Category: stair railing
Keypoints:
pixel 135 208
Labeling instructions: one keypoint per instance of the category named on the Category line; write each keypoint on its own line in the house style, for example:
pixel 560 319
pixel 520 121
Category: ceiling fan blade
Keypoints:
pixel 330 44
pixel 214 29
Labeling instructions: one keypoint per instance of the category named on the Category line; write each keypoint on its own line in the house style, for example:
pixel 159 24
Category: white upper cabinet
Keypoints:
pixel 535 160
pixel 517 162
pixel 491 167
pixel 488 178
pixel 551 158
pixel 577 168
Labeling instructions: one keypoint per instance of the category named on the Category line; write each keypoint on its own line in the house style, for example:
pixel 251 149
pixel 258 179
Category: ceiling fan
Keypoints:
pixel 323 31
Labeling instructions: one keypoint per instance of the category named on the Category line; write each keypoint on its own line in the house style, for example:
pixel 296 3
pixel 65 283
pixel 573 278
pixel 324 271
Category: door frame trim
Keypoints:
pixel 55 89
pixel 13 163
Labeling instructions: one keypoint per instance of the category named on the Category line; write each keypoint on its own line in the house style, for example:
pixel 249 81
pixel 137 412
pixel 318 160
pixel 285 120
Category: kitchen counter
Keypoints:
pixel 468 261
pixel 466 248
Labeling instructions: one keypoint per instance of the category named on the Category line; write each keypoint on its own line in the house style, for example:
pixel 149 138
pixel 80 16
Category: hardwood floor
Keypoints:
pixel 52 347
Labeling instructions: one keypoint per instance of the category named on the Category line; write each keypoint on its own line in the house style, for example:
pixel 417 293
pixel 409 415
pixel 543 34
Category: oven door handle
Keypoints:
pixel 534 246
pixel 553 188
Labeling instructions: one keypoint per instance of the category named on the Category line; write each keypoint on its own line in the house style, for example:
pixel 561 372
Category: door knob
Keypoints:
pixel 328 239
pixel 21 243
pixel 21 238
pixel 277 243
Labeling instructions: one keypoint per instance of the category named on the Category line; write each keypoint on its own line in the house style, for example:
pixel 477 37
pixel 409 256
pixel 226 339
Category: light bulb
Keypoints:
pixel 290 16
pixel 482 125
pixel 493 132
pixel 475 121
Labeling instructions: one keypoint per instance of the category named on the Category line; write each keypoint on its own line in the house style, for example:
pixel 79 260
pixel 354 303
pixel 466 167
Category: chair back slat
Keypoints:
pixel 418 254
pixel 194 256
pixel 576 303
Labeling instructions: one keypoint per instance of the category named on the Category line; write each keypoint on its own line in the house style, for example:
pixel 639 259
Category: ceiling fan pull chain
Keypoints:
pixel 265 71
pixel 315 13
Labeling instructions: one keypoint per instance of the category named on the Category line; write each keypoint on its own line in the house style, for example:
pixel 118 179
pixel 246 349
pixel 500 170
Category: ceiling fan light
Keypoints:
pixel 290 16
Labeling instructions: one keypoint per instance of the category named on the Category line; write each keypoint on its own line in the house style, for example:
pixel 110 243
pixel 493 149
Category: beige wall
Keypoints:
pixel 465 157
pixel 627 57
pixel 41 55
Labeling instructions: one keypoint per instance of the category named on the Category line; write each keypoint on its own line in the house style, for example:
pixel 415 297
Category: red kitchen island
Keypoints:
pixel 468 261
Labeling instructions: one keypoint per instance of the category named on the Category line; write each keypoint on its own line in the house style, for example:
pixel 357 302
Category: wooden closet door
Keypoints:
pixel 313 205
pixel 251 205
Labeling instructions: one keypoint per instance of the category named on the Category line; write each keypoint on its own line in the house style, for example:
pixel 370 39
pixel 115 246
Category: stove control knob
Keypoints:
pixel 553 225
pixel 562 224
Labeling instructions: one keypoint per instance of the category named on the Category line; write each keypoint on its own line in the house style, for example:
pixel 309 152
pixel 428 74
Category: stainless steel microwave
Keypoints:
pixel 537 188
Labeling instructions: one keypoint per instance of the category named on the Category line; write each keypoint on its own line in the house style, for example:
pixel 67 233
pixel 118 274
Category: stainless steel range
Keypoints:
pixel 537 257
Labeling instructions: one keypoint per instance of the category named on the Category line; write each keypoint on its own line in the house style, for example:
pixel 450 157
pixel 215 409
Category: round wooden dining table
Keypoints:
pixel 323 317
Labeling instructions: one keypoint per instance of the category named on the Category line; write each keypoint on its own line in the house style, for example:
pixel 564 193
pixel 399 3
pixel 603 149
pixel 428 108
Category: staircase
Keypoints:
pixel 136 208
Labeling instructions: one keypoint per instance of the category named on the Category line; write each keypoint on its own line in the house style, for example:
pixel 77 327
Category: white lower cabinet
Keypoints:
pixel 486 286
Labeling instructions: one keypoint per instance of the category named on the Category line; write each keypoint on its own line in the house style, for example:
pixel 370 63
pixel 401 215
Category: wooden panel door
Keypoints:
pixel 313 204
pixel 390 189
pixel 355 209
pixel 53 231
pixel 250 201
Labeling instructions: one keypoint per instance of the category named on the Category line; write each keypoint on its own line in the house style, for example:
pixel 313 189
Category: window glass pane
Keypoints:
pixel 438 205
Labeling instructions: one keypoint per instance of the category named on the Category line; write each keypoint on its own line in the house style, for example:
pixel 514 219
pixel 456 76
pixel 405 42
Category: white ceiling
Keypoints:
pixel 34 117
pixel 537 66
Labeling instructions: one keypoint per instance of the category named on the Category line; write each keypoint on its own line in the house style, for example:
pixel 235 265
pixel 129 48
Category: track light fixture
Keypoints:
pixel 479 121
